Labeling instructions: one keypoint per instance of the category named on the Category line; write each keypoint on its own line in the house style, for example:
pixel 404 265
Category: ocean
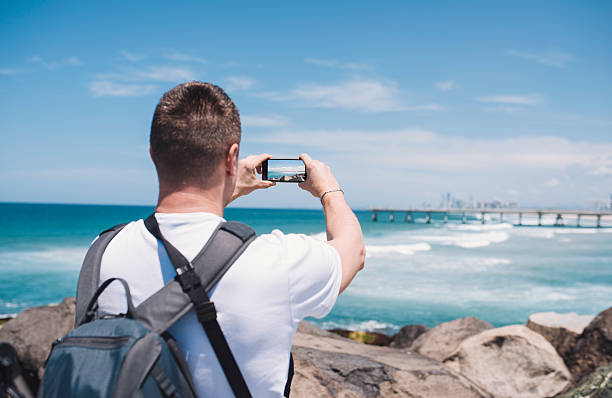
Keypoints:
pixel 414 272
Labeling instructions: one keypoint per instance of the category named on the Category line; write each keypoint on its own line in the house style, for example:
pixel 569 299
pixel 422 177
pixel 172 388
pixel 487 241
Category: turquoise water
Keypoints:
pixel 414 273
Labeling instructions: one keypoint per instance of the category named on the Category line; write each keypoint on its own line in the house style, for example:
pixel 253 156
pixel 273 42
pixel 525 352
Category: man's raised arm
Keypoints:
pixel 343 229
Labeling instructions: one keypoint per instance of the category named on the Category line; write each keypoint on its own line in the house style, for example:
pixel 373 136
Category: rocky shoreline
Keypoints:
pixel 552 355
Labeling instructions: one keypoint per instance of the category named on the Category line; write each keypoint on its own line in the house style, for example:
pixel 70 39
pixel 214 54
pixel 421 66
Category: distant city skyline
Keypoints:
pixel 499 101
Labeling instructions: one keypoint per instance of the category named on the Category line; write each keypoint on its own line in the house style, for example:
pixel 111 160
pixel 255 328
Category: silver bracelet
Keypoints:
pixel 332 190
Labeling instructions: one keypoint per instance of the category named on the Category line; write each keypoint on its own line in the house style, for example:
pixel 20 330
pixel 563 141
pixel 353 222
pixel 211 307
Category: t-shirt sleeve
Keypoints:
pixel 314 273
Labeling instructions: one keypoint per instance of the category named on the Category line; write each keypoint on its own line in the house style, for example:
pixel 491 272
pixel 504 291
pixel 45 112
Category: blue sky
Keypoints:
pixel 508 101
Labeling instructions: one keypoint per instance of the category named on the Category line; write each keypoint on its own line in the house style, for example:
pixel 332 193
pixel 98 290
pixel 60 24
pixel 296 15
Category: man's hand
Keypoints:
pixel 319 178
pixel 247 181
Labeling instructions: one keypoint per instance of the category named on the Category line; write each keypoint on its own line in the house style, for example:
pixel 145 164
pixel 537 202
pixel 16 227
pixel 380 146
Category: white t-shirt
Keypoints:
pixel 279 280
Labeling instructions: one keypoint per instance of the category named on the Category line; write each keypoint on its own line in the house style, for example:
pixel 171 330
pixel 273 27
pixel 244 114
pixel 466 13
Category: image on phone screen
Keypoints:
pixel 284 170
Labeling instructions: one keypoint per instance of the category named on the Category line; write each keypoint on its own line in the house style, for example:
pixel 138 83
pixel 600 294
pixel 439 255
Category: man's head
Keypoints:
pixel 193 128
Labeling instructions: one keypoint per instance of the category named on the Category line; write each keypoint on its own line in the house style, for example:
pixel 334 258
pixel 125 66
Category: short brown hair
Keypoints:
pixel 193 126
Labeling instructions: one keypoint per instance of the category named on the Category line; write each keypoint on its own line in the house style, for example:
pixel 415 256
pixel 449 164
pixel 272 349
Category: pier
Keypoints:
pixel 409 214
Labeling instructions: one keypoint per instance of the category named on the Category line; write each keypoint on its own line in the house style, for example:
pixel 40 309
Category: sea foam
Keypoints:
pixel 465 240
pixel 364 326
pixel 66 257
pixel 387 250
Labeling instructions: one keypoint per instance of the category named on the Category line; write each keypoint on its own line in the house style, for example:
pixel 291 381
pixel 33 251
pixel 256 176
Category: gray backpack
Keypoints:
pixel 133 354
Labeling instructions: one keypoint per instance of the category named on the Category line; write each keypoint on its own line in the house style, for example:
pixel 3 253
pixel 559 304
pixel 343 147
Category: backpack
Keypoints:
pixel 133 354
pixel 12 383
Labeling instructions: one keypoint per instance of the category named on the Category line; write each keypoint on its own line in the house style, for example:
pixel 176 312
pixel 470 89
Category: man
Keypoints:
pixel 279 280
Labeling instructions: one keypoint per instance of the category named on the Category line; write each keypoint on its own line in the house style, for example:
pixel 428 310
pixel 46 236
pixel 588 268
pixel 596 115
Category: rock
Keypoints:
pixel 512 361
pixel 336 367
pixel 4 320
pixel 306 327
pixel 406 336
pixel 440 341
pixel 596 385
pixel 33 331
pixel 561 330
pixel 364 337
pixel 593 347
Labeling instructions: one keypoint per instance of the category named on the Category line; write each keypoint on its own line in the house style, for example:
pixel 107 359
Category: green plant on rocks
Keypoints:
pixel 596 385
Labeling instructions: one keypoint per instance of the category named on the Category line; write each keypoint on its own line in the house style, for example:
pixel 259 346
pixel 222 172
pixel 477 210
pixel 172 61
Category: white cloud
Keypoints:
pixel 447 85
pixel 235 83
pixel 512 192
pixel 426 107
pixel 425 149
pixel 553 182
pixel 73 61
pixel 8 71
pixel 501 108
pixel 176 56
pixel 134 82
pixel 150 73
pixel 557 59
pixel 264 120
pixel 69 61
pixel 512 99
pixel 367 96
pixel 105 88
pixel 337 65
pixel 604 171
pixel 131 57
pixel 402 165
pixel 163 74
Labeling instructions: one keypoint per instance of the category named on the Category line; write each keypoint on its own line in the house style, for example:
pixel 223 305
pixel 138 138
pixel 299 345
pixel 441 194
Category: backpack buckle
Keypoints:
pixel 188 280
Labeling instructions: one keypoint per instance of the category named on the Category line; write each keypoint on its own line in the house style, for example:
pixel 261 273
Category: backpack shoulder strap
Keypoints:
pixel 166 306
pixel 89 277
pixel 195 281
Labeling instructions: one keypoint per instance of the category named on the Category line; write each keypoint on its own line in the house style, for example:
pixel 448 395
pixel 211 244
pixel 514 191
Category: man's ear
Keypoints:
pixel 231 160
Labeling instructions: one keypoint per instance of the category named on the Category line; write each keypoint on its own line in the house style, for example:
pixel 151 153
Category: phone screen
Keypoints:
pixel 284 170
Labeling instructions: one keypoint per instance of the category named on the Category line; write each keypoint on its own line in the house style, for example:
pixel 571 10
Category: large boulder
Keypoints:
pixel 561 330
pixel 593 347
pixel 440 341
pixel 406 336
pixel 596 385
pixel 336 367
pixel 512 361
pixel 34 330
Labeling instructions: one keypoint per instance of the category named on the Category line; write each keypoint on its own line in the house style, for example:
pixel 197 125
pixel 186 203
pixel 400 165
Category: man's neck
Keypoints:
pixel 190 200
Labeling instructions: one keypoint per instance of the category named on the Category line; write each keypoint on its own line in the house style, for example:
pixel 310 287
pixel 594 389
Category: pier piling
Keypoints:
pixel 599 221
pixel 539 218
pixel 463 218
pixel 520 221
pixel 483 218
pixel 428 219
pixel 391 217
pixel 578 220
pixel 409 217
pixel 374 216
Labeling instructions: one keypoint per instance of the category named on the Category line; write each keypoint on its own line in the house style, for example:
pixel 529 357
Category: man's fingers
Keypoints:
pixel 256 160
pixel 306 158
pixel 266 184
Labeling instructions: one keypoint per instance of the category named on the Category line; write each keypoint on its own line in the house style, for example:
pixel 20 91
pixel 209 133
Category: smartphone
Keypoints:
pixel 283 170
